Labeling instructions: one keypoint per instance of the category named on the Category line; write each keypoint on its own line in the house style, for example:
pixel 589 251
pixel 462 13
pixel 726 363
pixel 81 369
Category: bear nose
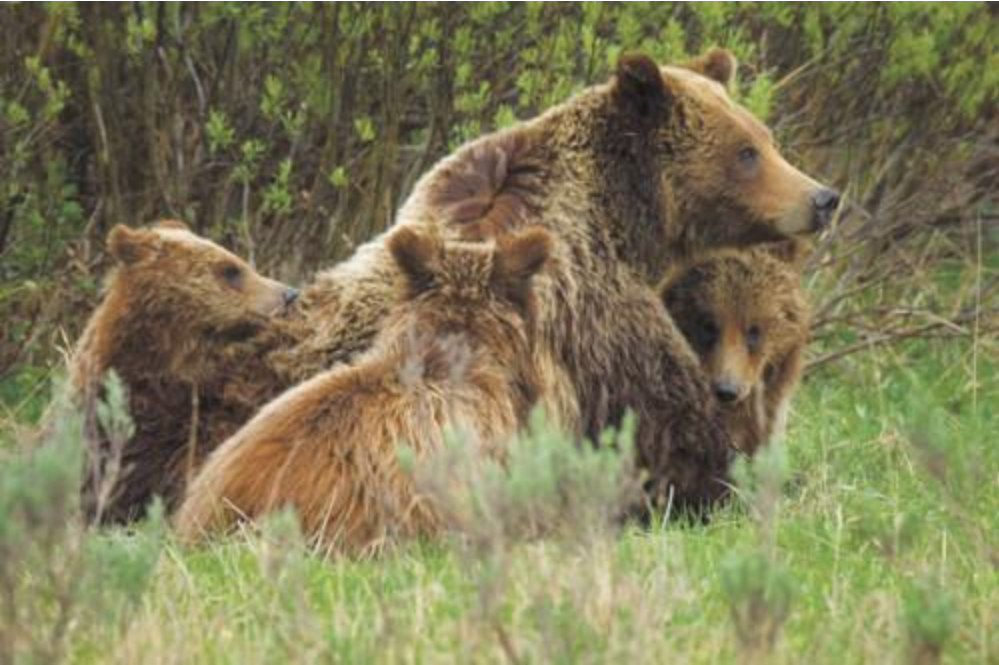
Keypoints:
pixel 290 295
pixel 824 204
pixel 726 391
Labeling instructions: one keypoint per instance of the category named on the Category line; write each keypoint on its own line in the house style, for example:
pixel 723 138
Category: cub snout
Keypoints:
pixel 727 391
pixel 272 297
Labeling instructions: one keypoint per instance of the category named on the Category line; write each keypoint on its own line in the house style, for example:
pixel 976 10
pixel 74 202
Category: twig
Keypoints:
pixel 951 324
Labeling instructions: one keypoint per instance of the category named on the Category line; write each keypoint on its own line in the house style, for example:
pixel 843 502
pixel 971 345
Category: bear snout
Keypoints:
pixel 824 205
pixel 726 391
pixel 290 295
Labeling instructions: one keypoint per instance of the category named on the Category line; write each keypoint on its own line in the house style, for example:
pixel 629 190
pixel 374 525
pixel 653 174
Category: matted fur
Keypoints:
pixel 455 354
pixel 746 317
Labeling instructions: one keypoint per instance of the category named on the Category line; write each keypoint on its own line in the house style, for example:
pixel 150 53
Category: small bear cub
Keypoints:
pixel 747 319
pixel 455 353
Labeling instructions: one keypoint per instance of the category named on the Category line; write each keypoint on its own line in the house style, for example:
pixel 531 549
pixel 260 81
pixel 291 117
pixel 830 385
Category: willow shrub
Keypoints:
pixel 292 132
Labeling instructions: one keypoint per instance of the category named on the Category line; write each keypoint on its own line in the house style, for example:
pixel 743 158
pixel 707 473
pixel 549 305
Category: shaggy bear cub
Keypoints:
pixel 746 317
pixel 182 322
pixel 454 353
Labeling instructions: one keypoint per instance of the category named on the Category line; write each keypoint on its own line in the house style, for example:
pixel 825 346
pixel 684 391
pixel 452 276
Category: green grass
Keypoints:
pixel 884 544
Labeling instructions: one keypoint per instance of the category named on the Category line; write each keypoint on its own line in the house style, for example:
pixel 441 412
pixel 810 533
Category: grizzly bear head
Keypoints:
pixel 473 285
pixel 722 180
pixel 743 314
pixel 182 283
pixel 473 299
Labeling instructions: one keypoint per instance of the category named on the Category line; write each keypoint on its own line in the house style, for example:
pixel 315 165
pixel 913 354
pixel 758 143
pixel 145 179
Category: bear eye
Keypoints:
pixel 753 337
pixel 748 155
pixel 708 332
pixel 232 273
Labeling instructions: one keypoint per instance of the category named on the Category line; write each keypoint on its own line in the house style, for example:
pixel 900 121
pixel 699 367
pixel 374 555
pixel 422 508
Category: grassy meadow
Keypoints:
pixel 870 536
pixel 292 132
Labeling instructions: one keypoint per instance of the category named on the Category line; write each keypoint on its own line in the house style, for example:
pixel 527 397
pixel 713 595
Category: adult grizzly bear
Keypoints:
pixel 628 176
pixel 746 317
pixel 455 352
pixel 182 323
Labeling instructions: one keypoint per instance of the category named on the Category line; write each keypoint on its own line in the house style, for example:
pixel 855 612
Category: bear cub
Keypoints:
pixel 182 323
pixel 747 319
pixel 455 352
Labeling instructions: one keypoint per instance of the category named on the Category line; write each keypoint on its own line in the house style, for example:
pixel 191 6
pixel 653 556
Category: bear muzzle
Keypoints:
pixel 824 205
pixel 727 391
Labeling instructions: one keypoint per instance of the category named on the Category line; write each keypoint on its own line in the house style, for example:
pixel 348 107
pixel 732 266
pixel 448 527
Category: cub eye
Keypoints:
pixel 748 155
pixel 753 337
pixel 708 332
pixel 232 273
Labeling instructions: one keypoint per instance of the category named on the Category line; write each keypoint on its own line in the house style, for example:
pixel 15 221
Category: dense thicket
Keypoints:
pixel 292 131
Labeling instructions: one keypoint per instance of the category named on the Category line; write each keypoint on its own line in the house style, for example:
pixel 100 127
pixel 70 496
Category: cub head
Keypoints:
pixel 742 314
pixel 172 273
pixel 483 289
pixel 722 179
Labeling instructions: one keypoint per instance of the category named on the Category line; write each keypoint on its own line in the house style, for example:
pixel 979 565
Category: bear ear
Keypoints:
pixel 128 246
pixel 415 253
pixel 172 224
pixel 519 258
pixel 639 82
pixel 668 283
pixel 717 64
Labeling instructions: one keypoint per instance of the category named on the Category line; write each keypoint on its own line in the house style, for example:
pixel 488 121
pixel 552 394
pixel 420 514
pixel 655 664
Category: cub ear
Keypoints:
pixel 667 285
pixel 717 64
pixel 128 246
pixel 519 258
pixel 172 224
pixel 674 283
pixel 639 82
pixel 415 253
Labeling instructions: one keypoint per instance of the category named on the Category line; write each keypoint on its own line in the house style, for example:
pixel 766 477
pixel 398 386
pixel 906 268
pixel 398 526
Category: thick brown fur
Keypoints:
pixel 629 177
pixel 183 323
pixel 455 353
pixel 746 317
